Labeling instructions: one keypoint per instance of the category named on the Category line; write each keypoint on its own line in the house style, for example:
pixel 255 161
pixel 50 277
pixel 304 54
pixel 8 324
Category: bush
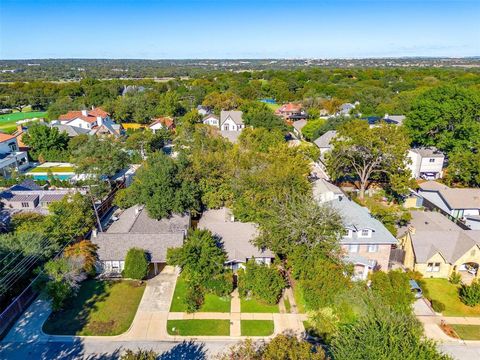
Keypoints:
pixel 455 278
pixel 220 285
pixel 262 282
pixel 58 291
pixel 438 306
pixel 394 289
pixel 136 264
pixel 139 355
pixel 194 297
pixel 470 295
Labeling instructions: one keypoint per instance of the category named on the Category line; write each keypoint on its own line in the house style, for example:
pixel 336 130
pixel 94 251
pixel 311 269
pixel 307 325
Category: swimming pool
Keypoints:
pixel 56 176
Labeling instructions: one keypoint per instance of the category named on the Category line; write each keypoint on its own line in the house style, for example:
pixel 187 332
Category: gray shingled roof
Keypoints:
pixel 456 198
pixel 324 140
pixel 26 185
pixel 357 217
pixel 236 236
pixel 235 115
pixel 70 130
pixel 23 197
pixel 434 233
pixel 115 246
pixel 428 152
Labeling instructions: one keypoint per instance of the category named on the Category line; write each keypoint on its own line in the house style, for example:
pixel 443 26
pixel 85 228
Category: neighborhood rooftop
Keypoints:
pixel 235 236
pixel 456 198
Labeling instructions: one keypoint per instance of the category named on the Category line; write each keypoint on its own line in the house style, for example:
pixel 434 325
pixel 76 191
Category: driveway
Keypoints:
pixel 421 308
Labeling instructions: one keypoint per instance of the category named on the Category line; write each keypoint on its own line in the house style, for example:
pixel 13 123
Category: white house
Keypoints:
pixel 161 123
pixel 324 142
pixel 231 120
pixel 426 163
pixel 211 120
pixel 10 158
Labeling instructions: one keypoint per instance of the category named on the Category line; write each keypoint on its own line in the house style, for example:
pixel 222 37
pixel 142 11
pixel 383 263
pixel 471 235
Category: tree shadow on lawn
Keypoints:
pixel 75 315
pixel 187 350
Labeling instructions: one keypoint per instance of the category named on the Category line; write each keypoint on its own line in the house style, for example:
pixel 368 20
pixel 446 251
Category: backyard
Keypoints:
pixel 199 327
pixel 442 290
pixel 212 302
pixel 8 121
pixel 102 308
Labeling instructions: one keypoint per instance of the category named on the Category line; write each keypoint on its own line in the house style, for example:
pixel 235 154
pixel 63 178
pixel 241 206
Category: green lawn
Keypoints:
pixel 199 327
pixel 442 290
pixel 100 308
pixel 273 106
pixel 255 306
pixel 256 327
pixel 212 302
pixel 53 169
pixel 467 332
pixel 8 121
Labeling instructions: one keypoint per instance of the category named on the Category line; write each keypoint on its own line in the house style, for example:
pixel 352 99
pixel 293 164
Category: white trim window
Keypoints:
pixel 365 233
pixel 433 267
pixel 353 248
pixel 372 248
pixel 349 233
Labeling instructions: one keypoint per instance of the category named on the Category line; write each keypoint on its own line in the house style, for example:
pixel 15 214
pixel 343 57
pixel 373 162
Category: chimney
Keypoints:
pixel 94 233
pixel 99 121
pixel 84 112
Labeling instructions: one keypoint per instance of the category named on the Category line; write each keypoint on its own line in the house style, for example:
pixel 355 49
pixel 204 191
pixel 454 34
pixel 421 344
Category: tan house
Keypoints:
pixel 435 246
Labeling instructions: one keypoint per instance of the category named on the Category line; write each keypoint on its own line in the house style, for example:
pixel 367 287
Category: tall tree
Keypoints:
pixel 366 154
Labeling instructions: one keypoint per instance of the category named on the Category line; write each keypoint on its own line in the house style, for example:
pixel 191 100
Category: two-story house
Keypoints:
pixel 426 163
pixel 291 112
pixel 97 121
pixel 366 242
pixel 10 158
pixel 231 120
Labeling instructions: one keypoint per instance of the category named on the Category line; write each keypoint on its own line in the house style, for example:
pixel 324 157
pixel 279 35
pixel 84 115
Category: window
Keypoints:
pixel 433 267
pixel 349 233
pixel 365 233
pixel 431 160
pixel 353 248
pixel 12 146
pixel 25 205
pixel 372 248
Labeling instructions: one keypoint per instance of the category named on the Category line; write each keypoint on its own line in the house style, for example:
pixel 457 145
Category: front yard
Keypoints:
pixel 467 332
pixel 255 306
pixel 442 290
pixel 199 327
pixel 256 327
pixel 212 302
pixel 102 308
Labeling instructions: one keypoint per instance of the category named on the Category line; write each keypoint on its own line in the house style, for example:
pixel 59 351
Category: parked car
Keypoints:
pixel 416 289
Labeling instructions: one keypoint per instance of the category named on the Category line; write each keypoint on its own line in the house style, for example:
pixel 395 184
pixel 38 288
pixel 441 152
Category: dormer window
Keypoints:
pixel 365 233
pixel 349 233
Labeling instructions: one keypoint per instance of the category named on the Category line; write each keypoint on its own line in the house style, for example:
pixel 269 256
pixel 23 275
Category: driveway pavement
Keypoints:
pixel 421 308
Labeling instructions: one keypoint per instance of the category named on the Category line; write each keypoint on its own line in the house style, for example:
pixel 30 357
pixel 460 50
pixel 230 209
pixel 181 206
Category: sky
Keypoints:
pixel 149 29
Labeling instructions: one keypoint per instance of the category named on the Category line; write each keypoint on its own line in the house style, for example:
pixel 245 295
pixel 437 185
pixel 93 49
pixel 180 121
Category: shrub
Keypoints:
pixel 394 289
pixel 136 264
pixel 262 282
pixel 220 285
pixel 139 355
pixel 455 278
pixel 470 295
pixel 194 297
pixel 438 306
pixel 58 291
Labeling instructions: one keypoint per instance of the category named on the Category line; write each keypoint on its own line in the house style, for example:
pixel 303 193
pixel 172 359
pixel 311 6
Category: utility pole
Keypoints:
pixel 95 209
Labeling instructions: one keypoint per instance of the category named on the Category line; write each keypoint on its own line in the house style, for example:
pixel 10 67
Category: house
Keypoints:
pixel 96 120
pixel 29 197
pixel 426 163
pixel 231 120
pixel 324 142
pixel 459 203
pixel 203 110
pixel 212 120
pixel 298 126
pixel 236 238
pixel 162 123
pixel 71 131
pixel 435 246
pixel 10 158
pixel 345 109
pixel 291 112
pixel 133 227
pixel 366 242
